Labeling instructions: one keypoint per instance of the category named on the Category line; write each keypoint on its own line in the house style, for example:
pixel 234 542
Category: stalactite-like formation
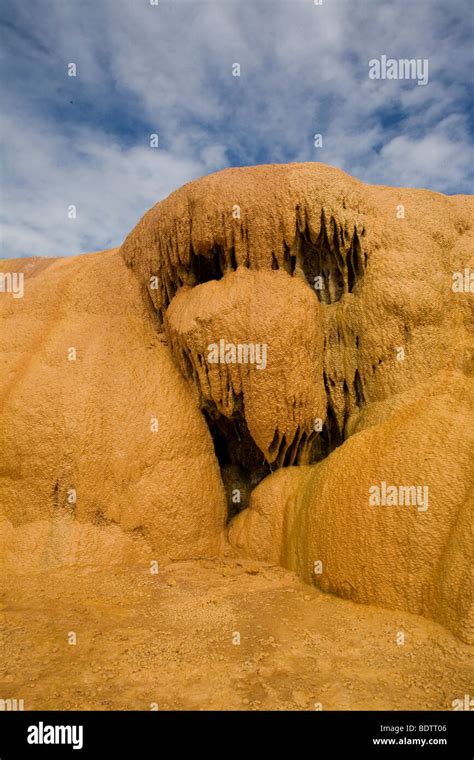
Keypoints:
pixel 251 309
pixel 297 228
pixel 255 320
pixel 203 231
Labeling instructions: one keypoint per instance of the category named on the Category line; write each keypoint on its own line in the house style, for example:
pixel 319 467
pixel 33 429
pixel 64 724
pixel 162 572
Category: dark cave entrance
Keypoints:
pixel 243 465
pixel 337 259
pixel 241 462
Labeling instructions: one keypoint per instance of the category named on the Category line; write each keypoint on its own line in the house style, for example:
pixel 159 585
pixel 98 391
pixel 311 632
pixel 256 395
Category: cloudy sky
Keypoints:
pixel 167 69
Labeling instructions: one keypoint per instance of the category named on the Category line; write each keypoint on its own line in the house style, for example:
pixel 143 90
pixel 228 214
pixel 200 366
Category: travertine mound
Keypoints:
pixel 365 382
pixel 318 520
pixel 117 426
pixel 384 258
pixel 395 363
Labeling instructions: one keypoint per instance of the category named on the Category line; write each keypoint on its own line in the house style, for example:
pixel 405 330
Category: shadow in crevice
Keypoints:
pixel 241 462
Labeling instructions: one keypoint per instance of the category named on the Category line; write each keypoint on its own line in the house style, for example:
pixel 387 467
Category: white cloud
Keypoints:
pixel 434 156
pixel 110 185
pixel 167 69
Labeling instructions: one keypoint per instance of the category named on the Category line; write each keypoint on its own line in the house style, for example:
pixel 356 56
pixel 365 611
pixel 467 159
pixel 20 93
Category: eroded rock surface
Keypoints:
pixel 343 365
pixel 104 457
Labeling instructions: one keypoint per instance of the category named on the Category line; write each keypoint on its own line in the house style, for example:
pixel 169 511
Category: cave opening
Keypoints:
pixel 241 462
pixel 210 267
pixel 337 257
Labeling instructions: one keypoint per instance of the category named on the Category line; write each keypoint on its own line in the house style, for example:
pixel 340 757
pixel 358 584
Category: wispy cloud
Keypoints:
pixel 167 69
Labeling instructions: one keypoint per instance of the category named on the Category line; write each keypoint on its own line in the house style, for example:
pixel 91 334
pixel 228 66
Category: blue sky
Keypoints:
pixel 167 69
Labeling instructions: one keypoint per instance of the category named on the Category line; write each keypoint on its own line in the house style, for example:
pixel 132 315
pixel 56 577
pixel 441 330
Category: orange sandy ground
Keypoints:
pixel 168 639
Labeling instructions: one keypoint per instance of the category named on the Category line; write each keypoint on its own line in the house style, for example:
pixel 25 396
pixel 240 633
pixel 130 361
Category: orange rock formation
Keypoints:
pixel 332 432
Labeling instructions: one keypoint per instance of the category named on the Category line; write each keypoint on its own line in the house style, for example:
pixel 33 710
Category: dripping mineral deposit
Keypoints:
pixel 282 396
